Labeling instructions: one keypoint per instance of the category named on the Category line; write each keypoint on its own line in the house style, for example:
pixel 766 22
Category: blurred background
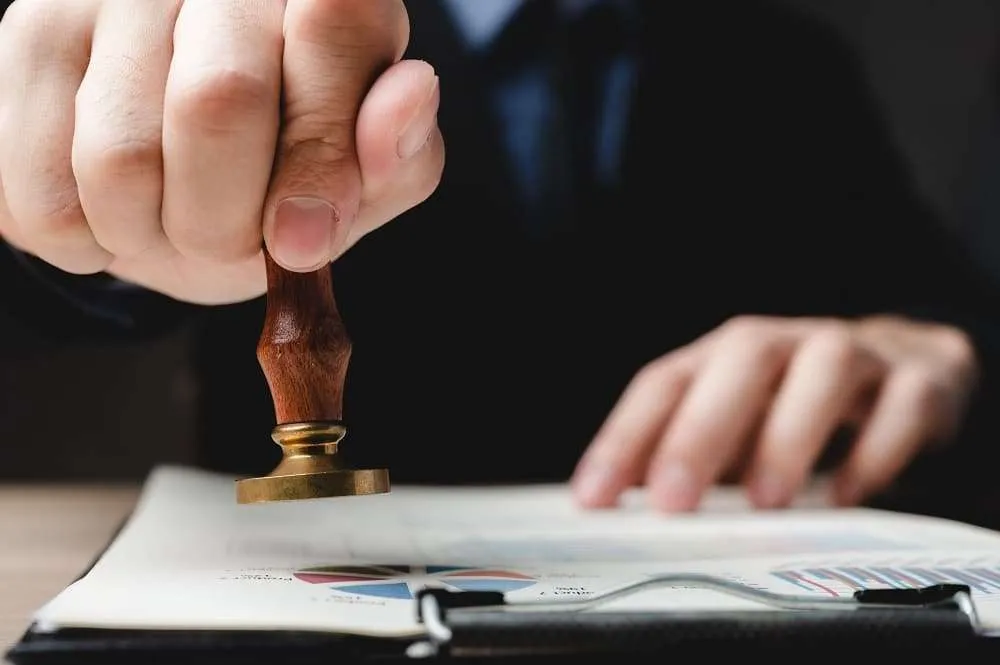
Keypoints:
pixel 112 413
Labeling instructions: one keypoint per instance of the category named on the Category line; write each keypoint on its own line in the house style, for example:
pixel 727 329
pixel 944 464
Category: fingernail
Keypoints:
pixel 304 231
pixel 593 484
pixel 677 489
pixel 418 130
pixel 769 490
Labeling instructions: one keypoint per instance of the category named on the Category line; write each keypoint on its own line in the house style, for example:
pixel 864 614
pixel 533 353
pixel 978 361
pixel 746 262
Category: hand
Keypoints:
pixel 165 142
pixel 766 395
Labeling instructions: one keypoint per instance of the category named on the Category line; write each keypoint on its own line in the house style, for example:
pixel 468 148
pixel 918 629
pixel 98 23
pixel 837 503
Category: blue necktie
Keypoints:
pixel 569 56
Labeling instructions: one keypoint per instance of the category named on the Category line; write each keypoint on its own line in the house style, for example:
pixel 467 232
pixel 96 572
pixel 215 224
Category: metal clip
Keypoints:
pixel 434 604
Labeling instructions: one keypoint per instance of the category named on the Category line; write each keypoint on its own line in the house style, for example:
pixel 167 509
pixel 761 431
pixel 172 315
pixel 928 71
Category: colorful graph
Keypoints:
pixel 845 580
pixel 402 582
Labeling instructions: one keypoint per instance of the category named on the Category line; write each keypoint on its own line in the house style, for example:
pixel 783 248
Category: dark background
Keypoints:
pixel 113 412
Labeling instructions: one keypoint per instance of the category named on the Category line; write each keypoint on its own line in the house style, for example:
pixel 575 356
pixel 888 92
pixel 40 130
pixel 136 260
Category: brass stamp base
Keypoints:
pixel 309 468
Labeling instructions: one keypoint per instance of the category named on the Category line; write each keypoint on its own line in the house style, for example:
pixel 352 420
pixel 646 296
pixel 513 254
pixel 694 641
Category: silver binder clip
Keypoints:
pixel 434 605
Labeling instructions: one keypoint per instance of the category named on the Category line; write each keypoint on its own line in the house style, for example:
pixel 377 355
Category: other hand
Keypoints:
pixel 166 142
pixel 765 395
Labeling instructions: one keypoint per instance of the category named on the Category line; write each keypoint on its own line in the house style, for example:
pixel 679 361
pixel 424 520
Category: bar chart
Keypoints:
pixel 845 580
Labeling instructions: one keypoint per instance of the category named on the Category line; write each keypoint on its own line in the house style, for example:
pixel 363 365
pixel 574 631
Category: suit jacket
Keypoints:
pixel 758 178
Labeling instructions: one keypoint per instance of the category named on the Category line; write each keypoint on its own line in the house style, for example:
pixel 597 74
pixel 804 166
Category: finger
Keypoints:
pixel 824 379
pixel 221 116
pixel 42 78
pixel 739 466
pixel 400 148
pixel 117 156
pixel 798 327
pixel 196 281
pixel 723 406
pixel 334 52
pixel 621 447
pixel 911 410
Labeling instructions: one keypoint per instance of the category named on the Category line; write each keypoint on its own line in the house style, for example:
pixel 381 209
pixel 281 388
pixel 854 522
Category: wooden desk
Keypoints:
pixel 48 535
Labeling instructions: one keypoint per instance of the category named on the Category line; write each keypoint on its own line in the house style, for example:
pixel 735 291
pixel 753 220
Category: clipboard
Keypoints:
pixel 490 626
pixel 482 626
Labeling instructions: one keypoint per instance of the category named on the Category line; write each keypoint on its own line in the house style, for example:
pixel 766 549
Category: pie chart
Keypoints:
pixel 403 582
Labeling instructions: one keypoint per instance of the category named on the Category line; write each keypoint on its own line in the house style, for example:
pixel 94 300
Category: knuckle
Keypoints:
pixel 353 30
pixel 755 334
pixel 308 161
pixel 836 342
pixel 32 23
pixel 18 19
pixel 221 100
pixel 653 373
pixel 326 133
pixel 746 327
pixel 28 20
pixel 663 376
pixel 204 242
pixel 117 159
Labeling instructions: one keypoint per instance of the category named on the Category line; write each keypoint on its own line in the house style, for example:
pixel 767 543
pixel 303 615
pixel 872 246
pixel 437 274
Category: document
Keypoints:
pixel 191 558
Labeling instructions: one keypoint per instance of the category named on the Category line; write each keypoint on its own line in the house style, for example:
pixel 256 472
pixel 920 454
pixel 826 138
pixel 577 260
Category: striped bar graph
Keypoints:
pixel 845 580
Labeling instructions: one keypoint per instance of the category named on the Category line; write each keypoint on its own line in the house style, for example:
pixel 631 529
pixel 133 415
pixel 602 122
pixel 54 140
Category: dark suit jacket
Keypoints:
pixel 758 178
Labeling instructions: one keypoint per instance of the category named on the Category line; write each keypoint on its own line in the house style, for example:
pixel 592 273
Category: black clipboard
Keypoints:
pixel 479 626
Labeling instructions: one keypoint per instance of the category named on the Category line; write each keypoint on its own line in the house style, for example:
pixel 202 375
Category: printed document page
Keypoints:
pixel 191 558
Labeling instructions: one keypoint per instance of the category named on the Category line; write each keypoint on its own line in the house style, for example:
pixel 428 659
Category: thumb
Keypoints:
pixel 334 51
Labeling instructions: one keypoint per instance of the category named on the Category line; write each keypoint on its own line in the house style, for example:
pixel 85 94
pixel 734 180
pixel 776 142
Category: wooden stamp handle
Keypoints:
pixel 304 348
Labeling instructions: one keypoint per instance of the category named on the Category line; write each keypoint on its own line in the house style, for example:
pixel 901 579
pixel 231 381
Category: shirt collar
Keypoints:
pixel 479 21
